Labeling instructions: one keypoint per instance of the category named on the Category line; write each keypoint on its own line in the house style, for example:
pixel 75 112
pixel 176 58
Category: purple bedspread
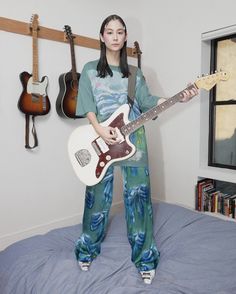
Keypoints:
pixel 198 255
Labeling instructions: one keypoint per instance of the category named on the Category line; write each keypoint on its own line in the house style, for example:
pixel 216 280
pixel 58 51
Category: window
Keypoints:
pixel 222 131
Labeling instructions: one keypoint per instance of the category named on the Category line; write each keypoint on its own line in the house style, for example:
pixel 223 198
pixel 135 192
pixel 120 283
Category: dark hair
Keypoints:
pixel 103 66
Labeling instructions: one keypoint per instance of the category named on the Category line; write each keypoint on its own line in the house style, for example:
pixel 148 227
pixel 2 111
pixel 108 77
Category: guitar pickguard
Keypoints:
pixel 111 153
pixel 37 88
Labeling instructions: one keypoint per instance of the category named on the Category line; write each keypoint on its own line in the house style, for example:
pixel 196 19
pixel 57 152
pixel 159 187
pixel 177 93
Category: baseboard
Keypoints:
pixel 9 239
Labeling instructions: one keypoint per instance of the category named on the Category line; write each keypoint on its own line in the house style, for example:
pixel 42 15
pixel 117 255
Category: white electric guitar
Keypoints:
pixel 90 156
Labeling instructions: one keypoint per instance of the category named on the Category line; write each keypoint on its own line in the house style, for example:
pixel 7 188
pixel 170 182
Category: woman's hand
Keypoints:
pixel 108 134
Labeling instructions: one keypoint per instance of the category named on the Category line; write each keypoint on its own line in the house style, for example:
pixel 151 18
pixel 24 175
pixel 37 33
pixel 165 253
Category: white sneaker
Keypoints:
pixel 84 265
pixel 148 276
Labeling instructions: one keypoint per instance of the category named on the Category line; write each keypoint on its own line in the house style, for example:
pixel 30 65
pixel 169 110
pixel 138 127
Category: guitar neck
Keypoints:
pixel 35 56
pixel 139 61
pixel 138 52
pixel 153 112
pixel 72 51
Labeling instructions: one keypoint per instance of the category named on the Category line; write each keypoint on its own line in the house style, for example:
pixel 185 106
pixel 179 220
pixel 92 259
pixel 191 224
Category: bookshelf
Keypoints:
pixel 216 196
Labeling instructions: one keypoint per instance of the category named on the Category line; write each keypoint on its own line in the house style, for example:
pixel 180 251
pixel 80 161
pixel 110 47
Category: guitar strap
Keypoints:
pixel 33 130
pixel 131 84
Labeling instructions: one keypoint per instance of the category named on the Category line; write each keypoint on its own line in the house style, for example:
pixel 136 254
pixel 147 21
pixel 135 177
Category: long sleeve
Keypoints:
pixel 142 94
pixel 85 101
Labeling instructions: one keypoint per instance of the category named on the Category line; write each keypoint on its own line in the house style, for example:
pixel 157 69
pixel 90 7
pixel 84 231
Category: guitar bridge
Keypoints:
pixel 83 157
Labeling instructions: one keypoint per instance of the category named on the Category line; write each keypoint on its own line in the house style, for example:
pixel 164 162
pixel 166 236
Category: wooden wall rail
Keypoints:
pixel 23 28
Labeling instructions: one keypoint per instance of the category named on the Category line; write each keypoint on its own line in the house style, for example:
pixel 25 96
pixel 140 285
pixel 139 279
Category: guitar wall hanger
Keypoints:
pixel 23 28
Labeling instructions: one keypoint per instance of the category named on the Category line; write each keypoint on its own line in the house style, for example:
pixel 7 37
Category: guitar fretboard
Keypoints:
pixel 35 56
pixel 153 112
pixel 72 50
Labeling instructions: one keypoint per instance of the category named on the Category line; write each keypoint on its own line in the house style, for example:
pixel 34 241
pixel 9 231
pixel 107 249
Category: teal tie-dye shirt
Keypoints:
pixel 104 95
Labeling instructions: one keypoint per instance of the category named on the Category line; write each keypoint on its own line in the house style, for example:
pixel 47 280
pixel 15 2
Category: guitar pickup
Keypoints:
pixel 101 145
pixel 96 148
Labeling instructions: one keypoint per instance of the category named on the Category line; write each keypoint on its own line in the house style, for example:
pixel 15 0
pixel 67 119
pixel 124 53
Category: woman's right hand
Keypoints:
pixel 108 134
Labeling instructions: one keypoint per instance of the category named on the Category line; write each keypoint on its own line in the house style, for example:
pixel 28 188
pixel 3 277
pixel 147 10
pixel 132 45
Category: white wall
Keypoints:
pixel 173 53
pixel 39 189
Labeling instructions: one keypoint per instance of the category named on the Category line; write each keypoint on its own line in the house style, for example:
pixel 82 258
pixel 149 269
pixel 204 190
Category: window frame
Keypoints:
pixel 213 105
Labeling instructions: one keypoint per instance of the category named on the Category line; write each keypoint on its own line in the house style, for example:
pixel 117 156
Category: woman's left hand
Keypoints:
pixel 189 93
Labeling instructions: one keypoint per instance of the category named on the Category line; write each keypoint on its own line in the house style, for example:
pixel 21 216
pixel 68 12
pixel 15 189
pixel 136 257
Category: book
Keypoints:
pixel 232 202
pixel 207 193
pixel 226 204
pixel 202 186
pixel 205 198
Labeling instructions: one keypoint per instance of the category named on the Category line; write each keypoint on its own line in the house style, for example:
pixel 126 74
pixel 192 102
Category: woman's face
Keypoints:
pixel 114 36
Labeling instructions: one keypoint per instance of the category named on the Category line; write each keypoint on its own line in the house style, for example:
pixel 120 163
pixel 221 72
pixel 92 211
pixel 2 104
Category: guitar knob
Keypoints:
pixel 102 163
pixel 108 157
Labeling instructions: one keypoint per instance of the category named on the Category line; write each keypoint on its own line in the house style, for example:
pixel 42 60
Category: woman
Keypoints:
pixel 102 89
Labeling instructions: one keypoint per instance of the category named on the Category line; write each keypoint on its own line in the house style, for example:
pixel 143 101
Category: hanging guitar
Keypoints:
pixel 68 83
pixel 90 156
pixel 34 99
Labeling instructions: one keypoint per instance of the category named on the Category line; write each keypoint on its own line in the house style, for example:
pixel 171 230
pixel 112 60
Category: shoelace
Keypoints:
pixel 84 265
pixel 147 276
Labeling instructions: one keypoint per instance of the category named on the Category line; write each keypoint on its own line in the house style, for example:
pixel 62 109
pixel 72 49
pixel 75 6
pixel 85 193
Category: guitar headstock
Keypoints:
pixel 34 23
pixel 68 32
pixel 137 48
pixel 138 52
pixel 209 81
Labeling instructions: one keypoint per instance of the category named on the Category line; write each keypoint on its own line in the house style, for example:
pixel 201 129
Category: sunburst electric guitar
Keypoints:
pixel 90 156
pixel 34 99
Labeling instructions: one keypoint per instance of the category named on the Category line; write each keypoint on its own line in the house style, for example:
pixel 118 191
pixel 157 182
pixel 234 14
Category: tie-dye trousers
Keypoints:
pixel 138 212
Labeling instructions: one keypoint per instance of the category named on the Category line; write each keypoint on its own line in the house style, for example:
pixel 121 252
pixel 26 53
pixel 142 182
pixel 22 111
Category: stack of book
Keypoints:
pixel 209 198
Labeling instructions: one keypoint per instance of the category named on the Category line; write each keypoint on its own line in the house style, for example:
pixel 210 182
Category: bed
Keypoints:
pixel 198 255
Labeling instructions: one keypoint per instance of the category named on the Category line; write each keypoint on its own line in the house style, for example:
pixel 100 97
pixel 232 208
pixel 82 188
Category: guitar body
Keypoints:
pixel 90 156
pixel 33 99
pixel 67 97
